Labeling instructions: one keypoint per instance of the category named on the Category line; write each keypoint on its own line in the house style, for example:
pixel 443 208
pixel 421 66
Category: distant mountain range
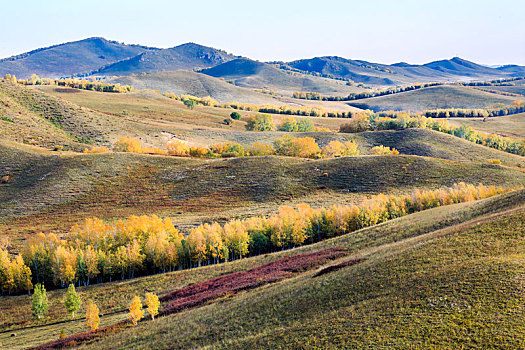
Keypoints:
pixel 101 57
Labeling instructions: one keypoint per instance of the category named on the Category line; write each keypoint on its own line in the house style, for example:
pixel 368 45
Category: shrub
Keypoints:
pixel 190 103
pixel 494 161
pixel 304 147
pixel 260 122
pixel 260 149
pixel 358 123
pixel 305 125
pixel 100 149
pixel 6 119
pixel 178 148
pixel 235 115
pixel 199 152
pixel 378 150
pixel 337 148
pixel 289 125
pixel 128 144
pixel 230 149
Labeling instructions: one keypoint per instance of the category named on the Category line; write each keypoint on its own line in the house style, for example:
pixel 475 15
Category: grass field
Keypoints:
pixel 418 269
pixel 443 278
pixel 435 97
pixel 511 125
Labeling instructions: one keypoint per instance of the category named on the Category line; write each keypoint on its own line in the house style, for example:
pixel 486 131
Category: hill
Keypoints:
pixel 186 56
pixel 252 74
pixel 419 290
pixel 56 189
pixel 434 97
pixel 460 263
pixel 454 69
pixel 195 84
pixel 69 58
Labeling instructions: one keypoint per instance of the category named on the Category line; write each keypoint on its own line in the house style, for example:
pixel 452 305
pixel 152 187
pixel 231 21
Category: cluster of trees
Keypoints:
pixel 382 150
pixel 83 84
pixel 95 251
pixel 265 122
pixel 294 125
pixel 404 121
pixel 304 147
pixel 496 110
pixel 15 276
pixel 10 78
pixel 362 95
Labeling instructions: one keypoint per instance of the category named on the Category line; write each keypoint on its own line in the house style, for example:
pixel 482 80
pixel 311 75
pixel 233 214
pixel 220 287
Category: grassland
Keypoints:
pixel 435 97
pixel 442 278
pixel 410 264
pixel 511 125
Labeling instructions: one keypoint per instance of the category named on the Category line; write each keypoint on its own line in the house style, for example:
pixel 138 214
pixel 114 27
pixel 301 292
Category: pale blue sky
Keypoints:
pixel 415 31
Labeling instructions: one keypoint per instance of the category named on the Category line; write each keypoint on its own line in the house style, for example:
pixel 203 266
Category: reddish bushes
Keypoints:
pixel 200 293
pixel 76 339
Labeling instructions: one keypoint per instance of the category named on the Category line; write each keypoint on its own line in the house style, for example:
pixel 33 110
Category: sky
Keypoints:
pixel 415 31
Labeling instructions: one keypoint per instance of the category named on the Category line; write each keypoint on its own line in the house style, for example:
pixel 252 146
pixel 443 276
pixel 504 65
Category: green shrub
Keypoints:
pixel 235 115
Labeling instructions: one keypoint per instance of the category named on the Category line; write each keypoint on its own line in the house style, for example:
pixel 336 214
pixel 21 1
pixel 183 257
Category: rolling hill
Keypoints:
pixel 460 263
pixel 252 74
pixel 454 69
pixel 186 56
pixel 195 84
pixel 69 58
pixel 434 97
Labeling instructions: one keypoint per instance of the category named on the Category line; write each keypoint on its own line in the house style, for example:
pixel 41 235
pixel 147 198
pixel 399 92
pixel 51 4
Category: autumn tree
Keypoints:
pixel 92 317
pixel 72 301
pixel 260 122
pixel 39 305
pixel 136 312
pixel 380 150
pixel 178 148
pixel 152 303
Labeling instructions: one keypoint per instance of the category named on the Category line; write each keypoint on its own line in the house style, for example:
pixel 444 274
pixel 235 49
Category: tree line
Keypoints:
pixel 94 251
pixel 83 84
pixel 361 95
pixel 403 120
pixel 303 147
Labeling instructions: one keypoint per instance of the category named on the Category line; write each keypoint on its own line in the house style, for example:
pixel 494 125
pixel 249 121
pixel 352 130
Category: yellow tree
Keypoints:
pixel 135 310
pixel 153 303
pixel 197 244
pixel 92 317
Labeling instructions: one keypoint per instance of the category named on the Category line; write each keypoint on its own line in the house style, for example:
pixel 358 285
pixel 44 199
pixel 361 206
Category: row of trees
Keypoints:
pixel 403 121
pixel 362 95
pixel 83 84
pixel 303 147
pixel 95 251
pixel 496 82
pixel 316 111
pixel 265 122
pixel 496 110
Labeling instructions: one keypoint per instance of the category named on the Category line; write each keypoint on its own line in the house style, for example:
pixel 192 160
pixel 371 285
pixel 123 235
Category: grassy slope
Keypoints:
pixel 196 84
pixel 372 242
pixel 510 125
pixel 444 96
pixel 414 277
pixel 258 75
pixel 50 191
